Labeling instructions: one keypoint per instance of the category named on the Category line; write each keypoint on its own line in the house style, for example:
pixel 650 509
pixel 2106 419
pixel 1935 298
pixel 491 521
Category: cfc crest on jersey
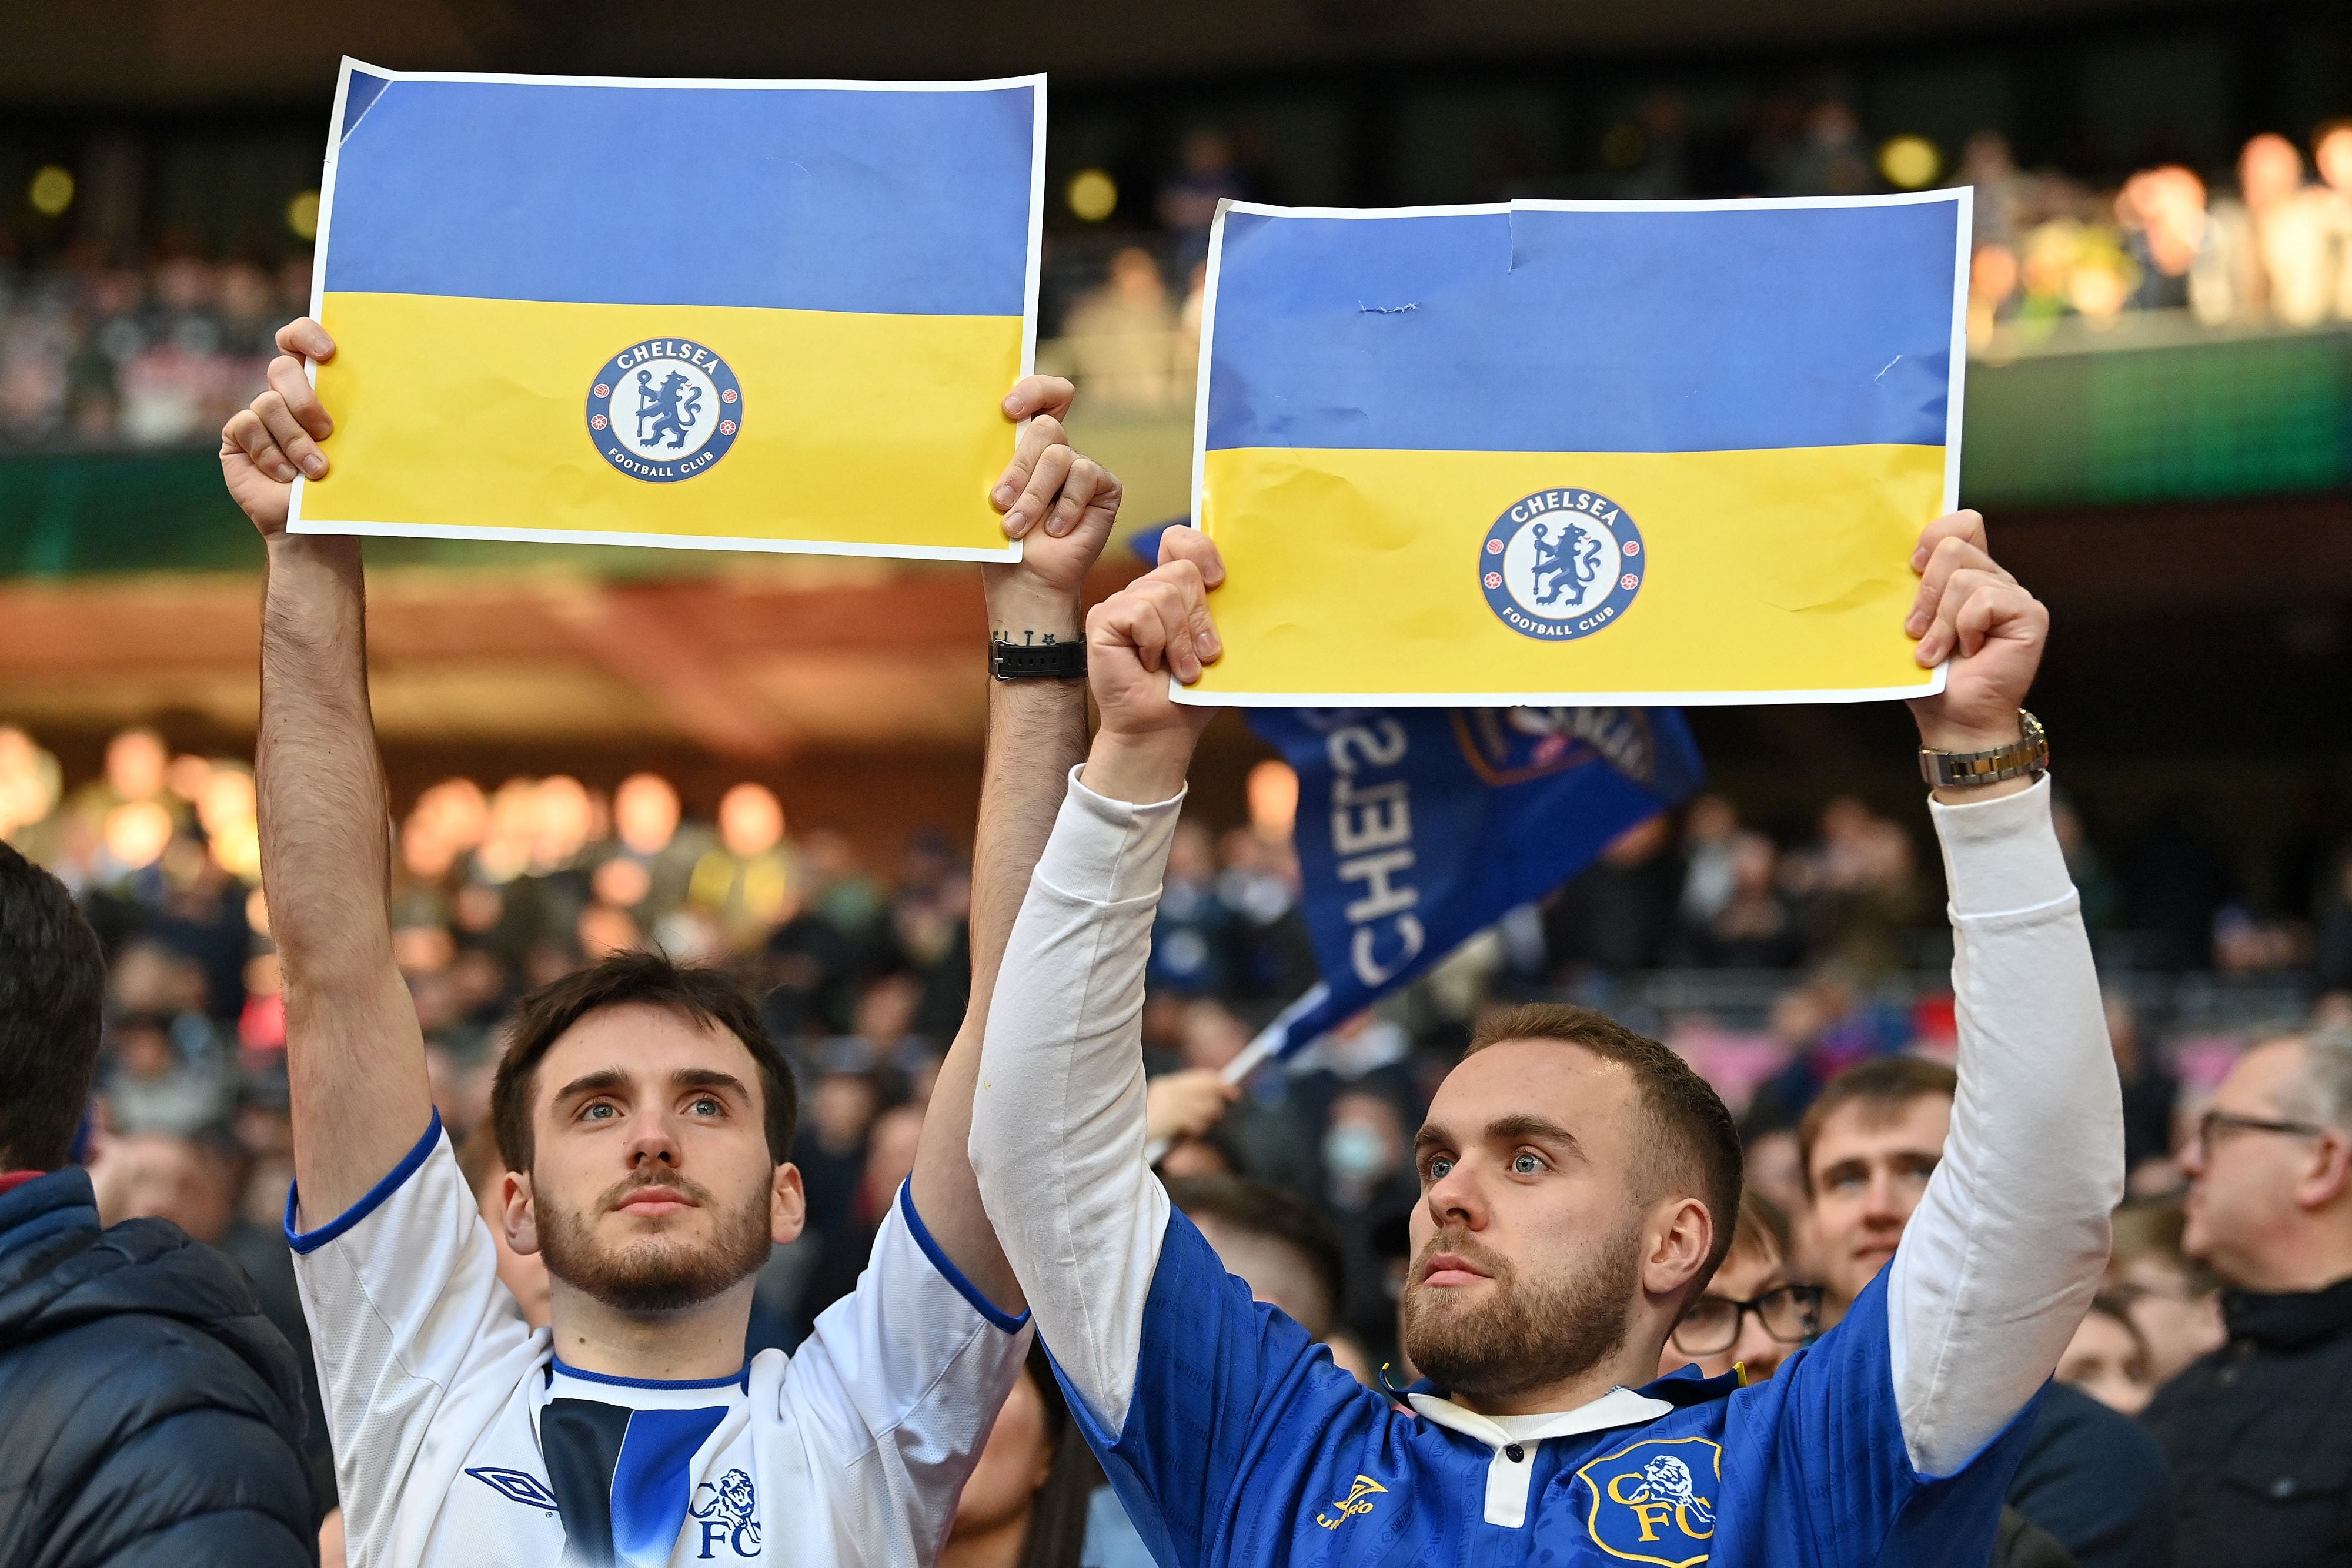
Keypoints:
pixel 1561 564
pixel 725 1513
pixel 665 409
pixel 1654 1502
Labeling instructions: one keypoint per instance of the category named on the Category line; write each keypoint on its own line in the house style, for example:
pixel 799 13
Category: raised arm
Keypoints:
pixel 1058 1127
pixel 2007 1246
pixel 354 1053
pixel 1062 507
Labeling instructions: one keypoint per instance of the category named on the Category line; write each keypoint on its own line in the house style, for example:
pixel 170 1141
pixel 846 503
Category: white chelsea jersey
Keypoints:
pixel 457 1431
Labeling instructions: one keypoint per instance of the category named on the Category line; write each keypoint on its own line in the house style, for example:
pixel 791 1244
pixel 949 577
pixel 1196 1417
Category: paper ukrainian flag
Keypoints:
pixel 775 315
pixel 1595 453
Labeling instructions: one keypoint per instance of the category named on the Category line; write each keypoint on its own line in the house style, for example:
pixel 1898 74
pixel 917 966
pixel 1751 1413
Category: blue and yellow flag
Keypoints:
pixel 1578 452
pixel 752 315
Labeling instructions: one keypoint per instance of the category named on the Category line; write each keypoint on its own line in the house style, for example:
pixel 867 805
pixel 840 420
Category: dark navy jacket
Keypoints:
pixel 150 1416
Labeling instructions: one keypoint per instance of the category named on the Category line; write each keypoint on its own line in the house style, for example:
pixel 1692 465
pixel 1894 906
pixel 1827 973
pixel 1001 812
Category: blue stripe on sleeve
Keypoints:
pixel 1721 329
pixel 998 1317
pixel 307 1241
pixel 896 202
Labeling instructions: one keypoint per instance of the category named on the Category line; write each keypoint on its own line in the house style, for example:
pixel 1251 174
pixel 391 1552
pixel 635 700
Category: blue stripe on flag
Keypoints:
pixel 896 202
pixel 1722 330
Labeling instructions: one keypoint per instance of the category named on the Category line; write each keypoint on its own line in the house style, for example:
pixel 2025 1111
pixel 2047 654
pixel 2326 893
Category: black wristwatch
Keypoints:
pixel 1053 659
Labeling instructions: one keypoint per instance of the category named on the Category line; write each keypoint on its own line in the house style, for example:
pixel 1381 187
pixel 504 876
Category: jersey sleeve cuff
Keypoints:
pixel 2001 856
pixel 997 1316
pixel 1108 851
pixel 307 1241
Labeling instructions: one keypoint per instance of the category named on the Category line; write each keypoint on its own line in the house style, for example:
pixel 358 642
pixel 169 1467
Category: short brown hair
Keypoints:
pixel 1694 1140
pixel 1883 1086
pixel 1258 1209
pixel 648 979
pixel 1762 1227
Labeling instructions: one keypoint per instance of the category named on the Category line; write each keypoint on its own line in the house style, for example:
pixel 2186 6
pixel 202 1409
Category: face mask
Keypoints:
pixel 1353 1152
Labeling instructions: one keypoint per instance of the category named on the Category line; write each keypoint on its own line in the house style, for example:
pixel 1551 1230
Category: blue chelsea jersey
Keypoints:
pixel 1246 1447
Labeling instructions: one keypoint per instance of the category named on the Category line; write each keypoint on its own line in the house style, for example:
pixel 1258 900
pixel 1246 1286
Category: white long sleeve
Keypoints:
pixel 2009 1241
pixel 1057 1129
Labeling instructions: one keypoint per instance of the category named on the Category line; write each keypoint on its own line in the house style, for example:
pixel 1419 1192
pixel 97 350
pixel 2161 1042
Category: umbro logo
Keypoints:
pixel 515 1486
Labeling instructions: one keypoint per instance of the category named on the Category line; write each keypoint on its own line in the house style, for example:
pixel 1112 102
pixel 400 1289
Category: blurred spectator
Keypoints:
pixel 1122 337
pixel 524 1274
pixel 2173 1303
pixel 1188 936
pixel 1287 1253
pixel 2108 1360
pixel 1368 1179
pixel 1830 160
pixel 2089 1476
pixel 1026 1504
pixel 1754 1312
pixel 1618 913
pixel 1188 198
pixel 2151 1090
pixel 2257 1431
pixel 1271 1136
pixel 1989 169
pixel 2332 152
pixel 1751 924
pixel 889 1161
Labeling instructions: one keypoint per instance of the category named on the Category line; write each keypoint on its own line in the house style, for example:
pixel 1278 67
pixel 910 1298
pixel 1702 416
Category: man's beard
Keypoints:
pixel 654 1274
pixel 1532 1333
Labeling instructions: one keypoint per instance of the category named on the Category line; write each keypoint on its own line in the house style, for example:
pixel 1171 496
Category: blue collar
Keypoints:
pixel 54 1205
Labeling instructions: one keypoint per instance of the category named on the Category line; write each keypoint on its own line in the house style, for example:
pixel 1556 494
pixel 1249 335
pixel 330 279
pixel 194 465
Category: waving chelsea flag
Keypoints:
pixel 1578 452
pixel 1418 829
pixel 683 313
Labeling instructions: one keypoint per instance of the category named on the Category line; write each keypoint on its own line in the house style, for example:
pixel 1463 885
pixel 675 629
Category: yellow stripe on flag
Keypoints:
pixel 868 430
pixel 1772 571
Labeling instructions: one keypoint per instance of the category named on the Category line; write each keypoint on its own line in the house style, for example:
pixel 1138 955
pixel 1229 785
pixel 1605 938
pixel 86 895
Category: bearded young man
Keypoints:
pixel 1579 1184
pixel 645 1118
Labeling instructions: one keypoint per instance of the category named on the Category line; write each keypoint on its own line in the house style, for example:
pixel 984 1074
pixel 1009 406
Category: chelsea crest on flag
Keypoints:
pixel 1577 453
pixel 696 314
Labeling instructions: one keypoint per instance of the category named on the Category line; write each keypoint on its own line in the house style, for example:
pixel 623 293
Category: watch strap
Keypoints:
pixel 1053 659
pixel 2029 753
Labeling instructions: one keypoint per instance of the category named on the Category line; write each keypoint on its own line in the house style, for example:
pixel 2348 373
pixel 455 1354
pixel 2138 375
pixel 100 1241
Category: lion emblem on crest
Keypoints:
pixel 671 408
pixel 730 1498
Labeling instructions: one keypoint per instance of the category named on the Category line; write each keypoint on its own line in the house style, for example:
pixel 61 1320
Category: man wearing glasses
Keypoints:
pixel 2260 1431
pixel 1868 1145
pixel 1752 1314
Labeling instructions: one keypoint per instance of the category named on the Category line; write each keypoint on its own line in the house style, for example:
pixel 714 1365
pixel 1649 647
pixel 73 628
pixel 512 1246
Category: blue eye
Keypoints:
pixel 1438 1165
pixel 599 1110
pixel 1527 1164
pixel 708 1107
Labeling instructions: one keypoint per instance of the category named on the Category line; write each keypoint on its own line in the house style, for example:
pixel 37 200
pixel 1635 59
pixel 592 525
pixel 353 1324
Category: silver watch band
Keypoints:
pixel 2029 753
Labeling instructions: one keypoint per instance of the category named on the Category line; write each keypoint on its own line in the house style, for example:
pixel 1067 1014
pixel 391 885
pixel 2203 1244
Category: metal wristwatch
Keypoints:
pixel 1053 659
pixel 2029 753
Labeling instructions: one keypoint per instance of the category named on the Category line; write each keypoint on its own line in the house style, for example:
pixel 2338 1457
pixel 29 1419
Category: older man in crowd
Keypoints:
pixel 2260 1431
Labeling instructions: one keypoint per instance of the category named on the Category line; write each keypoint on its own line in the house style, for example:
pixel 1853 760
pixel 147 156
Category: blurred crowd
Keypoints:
pixel 150 355
pixel 162 352
pixel 865 978
pixel 2271 245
